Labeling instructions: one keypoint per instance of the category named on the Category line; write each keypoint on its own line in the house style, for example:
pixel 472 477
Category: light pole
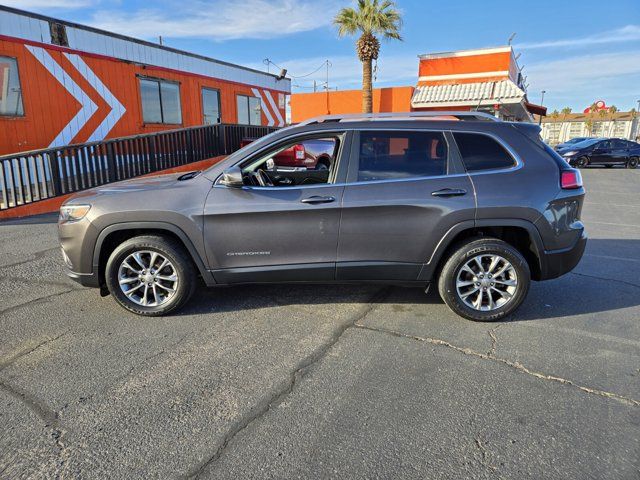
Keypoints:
pixel 542 104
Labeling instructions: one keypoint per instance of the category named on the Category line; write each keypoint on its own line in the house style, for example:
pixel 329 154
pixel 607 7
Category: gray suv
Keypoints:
pixel 475 205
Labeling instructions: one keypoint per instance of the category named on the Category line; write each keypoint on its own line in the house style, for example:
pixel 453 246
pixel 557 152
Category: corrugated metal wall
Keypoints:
pixel 90 90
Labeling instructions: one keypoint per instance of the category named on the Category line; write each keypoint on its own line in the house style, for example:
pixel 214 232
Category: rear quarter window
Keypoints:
pixel 482 152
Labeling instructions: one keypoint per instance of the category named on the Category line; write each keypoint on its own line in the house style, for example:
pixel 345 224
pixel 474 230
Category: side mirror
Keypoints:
pixel 232 177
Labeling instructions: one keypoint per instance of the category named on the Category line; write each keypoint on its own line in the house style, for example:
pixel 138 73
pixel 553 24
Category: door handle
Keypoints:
pixel 318 199
pixel 449 192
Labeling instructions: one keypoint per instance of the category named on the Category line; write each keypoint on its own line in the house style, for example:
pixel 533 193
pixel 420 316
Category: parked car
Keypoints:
pixel 603 151
pixel 569 143
pixel 317 154
pixel 473 205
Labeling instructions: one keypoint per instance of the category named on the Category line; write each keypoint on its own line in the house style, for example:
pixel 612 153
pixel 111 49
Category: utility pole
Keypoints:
pixel 542 104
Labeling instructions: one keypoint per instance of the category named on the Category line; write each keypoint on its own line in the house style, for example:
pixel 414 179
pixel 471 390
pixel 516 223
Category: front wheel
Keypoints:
pixel 632 162
pixel 582 162
pixel 150 275
pixel 484 280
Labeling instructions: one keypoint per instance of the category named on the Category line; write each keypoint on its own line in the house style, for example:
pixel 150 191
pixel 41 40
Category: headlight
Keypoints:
pixel 569 154
pixel 73 213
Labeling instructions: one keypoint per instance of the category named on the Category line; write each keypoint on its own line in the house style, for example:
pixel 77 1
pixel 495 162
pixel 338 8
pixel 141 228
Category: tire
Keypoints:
pixel 322 166
pixel 454 268
pixel 582 162
pixel 169 294
pixel 632 162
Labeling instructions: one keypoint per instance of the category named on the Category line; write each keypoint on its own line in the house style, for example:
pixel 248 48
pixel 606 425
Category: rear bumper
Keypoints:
pixel 555 263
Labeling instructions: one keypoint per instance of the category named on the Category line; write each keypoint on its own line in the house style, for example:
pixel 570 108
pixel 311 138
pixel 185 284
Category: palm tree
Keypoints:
pixel 372 19
pixel 612 121
pixel 565 111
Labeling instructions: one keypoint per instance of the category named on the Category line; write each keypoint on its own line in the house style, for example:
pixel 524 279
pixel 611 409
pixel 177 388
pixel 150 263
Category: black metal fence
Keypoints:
pixel 28 177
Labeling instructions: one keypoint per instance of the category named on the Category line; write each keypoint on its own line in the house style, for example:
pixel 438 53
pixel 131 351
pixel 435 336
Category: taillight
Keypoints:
pixel 570 179
pixel 299 152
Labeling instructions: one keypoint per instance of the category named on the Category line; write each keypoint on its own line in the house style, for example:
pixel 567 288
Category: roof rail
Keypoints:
pixel 356 117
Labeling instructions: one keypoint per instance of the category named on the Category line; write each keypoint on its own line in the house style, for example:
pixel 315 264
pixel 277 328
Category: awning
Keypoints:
pixel 467 94
pixel 536 109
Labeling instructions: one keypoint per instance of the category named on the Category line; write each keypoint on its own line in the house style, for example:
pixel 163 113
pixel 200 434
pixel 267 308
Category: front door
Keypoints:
pixel 405 191
pixel 281 226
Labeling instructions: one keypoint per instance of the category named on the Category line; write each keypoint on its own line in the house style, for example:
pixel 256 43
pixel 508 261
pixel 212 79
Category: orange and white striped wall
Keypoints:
pixel 87 86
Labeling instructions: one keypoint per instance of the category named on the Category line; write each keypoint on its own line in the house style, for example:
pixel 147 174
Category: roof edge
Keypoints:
pixel 147 43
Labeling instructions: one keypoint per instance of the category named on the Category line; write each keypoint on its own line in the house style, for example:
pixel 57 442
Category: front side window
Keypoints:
pixel 10 92
pixel 211 106
pixel 305 161
pixel 482 152
pixel 249 111
pixel 398 155
pixel 160 101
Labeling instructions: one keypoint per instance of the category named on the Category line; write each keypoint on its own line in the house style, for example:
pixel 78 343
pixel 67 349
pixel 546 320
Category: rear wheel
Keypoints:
pixel 150 275
pixel 632 162
pixel 484 280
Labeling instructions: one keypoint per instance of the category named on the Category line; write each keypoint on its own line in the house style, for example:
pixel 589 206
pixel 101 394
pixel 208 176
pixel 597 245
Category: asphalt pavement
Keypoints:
pixel 326 381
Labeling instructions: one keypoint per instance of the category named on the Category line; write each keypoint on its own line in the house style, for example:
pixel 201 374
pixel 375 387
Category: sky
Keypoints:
pixel 578 51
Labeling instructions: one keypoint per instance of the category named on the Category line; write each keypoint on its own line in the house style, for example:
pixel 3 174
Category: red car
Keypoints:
pixel 312 154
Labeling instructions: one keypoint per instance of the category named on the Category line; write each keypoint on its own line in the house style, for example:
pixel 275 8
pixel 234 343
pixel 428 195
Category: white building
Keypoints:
pixel 560 128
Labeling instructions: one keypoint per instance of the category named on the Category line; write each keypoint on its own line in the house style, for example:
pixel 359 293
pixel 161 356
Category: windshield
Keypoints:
pixel 575 140
pixel 586 143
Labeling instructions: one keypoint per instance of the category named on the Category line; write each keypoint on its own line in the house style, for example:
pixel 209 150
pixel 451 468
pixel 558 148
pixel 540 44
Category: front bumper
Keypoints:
pixel 84 279
pixel 556 263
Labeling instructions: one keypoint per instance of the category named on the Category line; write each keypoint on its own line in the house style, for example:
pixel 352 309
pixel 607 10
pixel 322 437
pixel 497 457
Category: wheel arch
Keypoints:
pixel 520 234
pixel 113 235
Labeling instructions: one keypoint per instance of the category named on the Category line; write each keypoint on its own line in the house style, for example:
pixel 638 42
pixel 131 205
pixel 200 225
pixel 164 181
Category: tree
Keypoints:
pixel 565 111
pixel 555 114
pixel 372 19
pixel 612 121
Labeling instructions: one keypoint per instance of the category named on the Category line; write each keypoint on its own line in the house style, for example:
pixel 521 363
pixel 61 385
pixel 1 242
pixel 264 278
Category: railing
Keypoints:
pixel 28 177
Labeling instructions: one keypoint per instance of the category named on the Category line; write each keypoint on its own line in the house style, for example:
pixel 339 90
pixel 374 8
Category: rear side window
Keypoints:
pixel 481 152
pixel 397 155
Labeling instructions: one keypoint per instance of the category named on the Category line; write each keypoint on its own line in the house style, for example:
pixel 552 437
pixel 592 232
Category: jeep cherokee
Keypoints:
pixel 475 205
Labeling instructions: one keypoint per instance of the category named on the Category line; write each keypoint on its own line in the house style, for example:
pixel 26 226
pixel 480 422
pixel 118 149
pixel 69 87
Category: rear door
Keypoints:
pixel 405 190
pixel 619 152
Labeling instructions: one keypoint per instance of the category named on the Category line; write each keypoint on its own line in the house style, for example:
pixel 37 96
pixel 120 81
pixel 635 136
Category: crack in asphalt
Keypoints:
pixel 43 412
pixel 35 256
pixel 37 300
pixel 605 279
pixel 494 340
pixel 485 460
pixel 300 371
pixel 11 359
pixel 510 363
pixel 50 417
pixel 31 281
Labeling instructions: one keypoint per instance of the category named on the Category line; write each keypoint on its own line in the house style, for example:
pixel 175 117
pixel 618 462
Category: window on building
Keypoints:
pixel 211 106
pixel 598 129
pixel 553 132
pixel 620 129
pixel 58 34
pixel 396 155
pixel 160 101
pixel 249 111
pixel 10 92
pixel 481 152
pixel 575 129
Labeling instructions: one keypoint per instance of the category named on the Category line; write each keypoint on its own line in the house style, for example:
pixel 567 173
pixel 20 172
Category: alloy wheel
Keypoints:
pixel 486 282
pixel 147 278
